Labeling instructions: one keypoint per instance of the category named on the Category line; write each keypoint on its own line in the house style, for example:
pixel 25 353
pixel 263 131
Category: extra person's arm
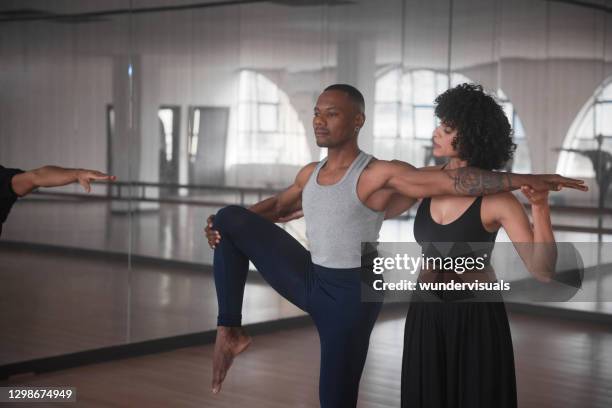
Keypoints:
pixel 535 244
pixel 464 181
pixel 53 176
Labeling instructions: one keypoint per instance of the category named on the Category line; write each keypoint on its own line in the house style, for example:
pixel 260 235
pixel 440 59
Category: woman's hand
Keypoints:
pixel 536 198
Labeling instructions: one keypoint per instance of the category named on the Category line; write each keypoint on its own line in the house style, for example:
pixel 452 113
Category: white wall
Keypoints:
pixel 56 79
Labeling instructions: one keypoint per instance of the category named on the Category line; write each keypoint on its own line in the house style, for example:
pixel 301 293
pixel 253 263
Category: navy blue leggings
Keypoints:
pixel 331 296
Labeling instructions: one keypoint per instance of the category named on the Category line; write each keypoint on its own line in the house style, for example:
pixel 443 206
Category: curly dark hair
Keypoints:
pixel 484 136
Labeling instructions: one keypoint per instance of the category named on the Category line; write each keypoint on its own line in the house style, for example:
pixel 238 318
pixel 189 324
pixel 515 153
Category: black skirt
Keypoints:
pixel 458 355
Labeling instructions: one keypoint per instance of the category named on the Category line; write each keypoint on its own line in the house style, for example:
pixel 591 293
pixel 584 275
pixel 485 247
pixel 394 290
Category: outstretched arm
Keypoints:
pixel 399 204
pixel 53 176
pixel 465 181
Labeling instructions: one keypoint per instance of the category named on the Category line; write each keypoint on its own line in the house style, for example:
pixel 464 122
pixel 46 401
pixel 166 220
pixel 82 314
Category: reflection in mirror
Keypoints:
pixel 169 127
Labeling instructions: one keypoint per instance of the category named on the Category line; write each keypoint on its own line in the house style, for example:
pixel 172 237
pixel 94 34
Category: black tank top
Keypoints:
pixel 464 237
pixel 467 228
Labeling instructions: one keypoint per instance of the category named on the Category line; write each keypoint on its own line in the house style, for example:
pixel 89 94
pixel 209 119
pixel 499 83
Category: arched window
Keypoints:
pixel 269 130
pixel 594 119
pixel 521 163
pixel 404 115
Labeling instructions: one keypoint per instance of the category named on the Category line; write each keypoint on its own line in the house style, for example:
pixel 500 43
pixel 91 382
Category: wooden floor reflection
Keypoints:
pixel 559 364
pixel 174 232
pixel 54 303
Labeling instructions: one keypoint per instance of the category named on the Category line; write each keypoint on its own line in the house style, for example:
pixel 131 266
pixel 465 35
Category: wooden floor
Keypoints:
pixel 559 364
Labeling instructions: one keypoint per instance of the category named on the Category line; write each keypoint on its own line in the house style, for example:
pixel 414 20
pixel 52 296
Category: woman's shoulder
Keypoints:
pixel 501 203
pixel 501 198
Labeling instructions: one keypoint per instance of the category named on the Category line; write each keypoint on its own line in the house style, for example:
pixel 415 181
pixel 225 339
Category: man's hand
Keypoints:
pixel 85 177
pixel 212 235
pixel 292 216
pixel 551 182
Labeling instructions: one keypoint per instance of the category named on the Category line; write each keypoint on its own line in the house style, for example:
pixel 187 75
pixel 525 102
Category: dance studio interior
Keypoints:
pixel 195 105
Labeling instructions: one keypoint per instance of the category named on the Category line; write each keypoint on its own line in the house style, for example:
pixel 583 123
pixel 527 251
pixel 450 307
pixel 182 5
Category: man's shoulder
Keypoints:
pixel 309 167
pixel 387 165
pixel 305 173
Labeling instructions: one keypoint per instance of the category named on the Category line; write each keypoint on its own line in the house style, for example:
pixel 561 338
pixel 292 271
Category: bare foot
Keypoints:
pixel 230 342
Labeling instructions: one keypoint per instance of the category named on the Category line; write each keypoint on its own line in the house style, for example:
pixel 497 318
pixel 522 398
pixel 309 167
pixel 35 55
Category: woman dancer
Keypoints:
pixel 458 353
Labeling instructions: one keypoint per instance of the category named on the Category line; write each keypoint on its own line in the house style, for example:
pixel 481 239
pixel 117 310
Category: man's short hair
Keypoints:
pixel 353 93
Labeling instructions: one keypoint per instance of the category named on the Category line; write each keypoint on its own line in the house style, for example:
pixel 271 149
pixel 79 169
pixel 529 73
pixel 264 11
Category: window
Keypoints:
pixel 521 163
pixel 169 128
pixel 593 122
pixel 404 117
pixel 194 133
pixel 167 121
pixel 404 106
pixel 269 130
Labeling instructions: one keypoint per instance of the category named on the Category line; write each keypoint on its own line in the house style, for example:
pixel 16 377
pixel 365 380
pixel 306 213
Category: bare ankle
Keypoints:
pixel 231 331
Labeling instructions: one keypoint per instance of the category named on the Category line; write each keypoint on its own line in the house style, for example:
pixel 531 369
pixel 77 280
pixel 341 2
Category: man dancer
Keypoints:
pixel 15 183
pixel 343 198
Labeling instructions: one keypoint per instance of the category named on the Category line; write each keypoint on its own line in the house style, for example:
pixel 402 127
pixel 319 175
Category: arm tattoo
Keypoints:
pixel 476 182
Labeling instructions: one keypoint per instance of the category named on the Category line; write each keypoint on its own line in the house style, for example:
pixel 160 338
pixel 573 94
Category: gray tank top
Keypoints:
pixel 337 222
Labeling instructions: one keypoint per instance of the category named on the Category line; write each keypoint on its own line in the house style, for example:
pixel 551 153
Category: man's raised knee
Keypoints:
pixel 229 217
